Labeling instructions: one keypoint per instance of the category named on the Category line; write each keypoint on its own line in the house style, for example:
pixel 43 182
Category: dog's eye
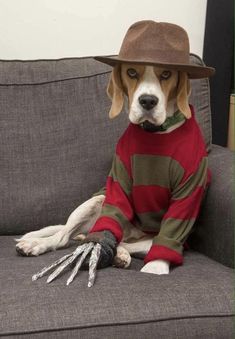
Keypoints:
pixel 131 72
pixel 165 75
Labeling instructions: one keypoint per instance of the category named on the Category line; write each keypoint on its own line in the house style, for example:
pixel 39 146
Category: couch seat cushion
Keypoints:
pixel 194 301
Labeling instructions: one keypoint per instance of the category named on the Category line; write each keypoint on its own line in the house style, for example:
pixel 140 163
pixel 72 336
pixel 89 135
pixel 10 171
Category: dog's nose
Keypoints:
pixel 148 101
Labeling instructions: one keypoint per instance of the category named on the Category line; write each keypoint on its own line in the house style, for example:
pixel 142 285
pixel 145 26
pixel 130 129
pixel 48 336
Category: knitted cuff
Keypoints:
pixel 164 253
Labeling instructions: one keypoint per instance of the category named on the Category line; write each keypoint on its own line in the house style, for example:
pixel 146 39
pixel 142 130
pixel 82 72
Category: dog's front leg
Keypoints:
pixel 139 249
pixel 80 221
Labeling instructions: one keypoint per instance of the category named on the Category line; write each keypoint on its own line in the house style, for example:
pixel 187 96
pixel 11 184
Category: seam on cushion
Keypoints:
pixel 116 324
pixel 69 58
pixel 54 81
pixel 59 59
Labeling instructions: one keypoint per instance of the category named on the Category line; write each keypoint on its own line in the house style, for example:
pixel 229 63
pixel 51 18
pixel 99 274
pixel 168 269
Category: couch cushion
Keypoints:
pixel 56 138
pixel 194 301
pixel 214 229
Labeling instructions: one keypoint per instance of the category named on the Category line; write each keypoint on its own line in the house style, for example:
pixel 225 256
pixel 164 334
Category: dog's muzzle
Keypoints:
pixel 148 102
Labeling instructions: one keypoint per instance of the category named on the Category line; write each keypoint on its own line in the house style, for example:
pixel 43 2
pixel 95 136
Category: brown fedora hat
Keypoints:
pixel 158 44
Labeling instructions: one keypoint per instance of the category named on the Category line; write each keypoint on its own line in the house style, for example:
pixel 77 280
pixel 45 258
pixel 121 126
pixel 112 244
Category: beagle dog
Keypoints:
pixel 153 95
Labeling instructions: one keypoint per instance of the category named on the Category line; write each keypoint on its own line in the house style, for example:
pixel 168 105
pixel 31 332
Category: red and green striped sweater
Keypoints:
pixel 157 183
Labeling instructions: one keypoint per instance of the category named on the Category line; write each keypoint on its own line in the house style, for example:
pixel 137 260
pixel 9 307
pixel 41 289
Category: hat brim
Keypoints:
pixel 194 71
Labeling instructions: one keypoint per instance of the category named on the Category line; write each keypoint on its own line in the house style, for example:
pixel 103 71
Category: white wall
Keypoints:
pixel 33 29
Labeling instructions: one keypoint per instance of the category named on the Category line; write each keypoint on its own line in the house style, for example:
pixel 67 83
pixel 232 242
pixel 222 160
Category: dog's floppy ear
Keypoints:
pixel 183 92
pixel 115 92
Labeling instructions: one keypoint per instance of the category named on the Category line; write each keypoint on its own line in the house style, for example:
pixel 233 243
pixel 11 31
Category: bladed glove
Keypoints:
pixel 97 250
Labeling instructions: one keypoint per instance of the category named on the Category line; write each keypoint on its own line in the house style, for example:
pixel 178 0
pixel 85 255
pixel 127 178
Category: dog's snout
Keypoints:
pixel 148 101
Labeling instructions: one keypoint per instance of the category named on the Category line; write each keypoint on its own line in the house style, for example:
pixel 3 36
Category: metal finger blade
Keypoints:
pixel 95 255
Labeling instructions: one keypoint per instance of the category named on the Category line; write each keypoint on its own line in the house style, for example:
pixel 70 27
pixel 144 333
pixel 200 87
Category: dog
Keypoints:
pixel 154 93
pixel 171 93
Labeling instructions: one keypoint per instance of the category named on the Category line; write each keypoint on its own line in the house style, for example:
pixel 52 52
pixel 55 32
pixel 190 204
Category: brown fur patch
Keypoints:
pixel 130 85
pixel 169 87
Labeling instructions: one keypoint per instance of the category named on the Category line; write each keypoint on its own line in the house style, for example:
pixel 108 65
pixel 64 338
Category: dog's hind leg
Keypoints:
pixel 42 233
pixel 80 221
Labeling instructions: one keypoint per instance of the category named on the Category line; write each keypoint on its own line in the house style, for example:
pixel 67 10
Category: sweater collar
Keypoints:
pixel 169 122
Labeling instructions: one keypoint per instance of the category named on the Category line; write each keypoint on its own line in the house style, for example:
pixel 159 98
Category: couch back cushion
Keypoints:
pixel 56 138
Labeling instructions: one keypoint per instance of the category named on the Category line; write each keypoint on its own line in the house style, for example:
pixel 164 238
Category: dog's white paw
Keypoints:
pixel 157 267
pixel 122 258
pixel 31 247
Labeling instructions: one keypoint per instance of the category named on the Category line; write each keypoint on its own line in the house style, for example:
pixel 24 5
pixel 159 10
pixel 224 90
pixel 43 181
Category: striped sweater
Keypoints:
pixel 157 183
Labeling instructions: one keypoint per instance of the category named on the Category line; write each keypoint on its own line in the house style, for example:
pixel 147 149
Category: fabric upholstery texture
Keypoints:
pixel 55 149
pixel 194 301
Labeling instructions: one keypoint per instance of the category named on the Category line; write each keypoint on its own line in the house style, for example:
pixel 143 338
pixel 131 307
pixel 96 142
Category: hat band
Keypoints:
pixel 157 56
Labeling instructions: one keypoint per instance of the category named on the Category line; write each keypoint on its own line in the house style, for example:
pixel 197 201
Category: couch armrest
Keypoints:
pixel 214 234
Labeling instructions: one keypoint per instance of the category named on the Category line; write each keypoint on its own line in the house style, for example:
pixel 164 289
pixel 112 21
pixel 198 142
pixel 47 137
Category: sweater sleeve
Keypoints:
pixel 180 217
pixel 117 209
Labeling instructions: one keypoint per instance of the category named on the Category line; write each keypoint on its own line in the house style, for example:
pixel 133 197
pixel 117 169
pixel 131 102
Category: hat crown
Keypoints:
pixel 155 42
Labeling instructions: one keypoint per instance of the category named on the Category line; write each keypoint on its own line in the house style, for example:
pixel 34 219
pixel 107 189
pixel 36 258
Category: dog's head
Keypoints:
pixel 150 91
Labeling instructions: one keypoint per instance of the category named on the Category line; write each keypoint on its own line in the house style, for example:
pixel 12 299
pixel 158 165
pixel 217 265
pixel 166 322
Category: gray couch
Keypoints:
pixel 56 149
